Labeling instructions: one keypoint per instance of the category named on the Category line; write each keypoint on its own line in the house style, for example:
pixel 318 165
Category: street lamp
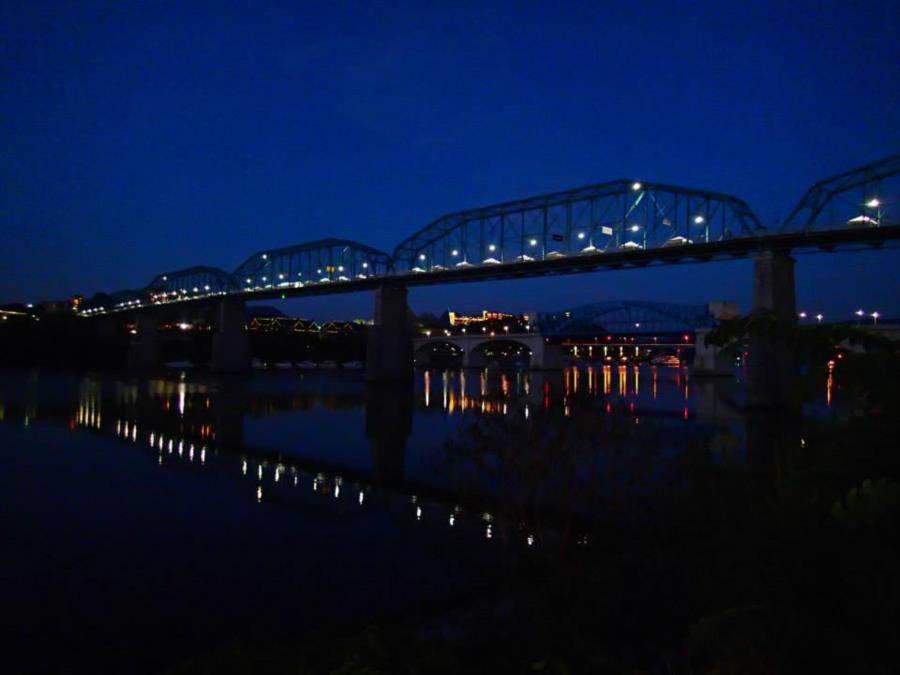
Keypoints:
pixel 875 316
pixel 819 317
pixel 875 203
pixel 802 315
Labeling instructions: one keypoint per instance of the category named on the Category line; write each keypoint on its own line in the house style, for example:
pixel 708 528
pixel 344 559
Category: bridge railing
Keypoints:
pixel 616 216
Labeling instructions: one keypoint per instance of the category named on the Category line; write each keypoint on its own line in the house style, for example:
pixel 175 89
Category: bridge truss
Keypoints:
pixel 191 282
pixel 315 262
pixel 623 215
pixel 865 197
pixel 631 317
pixel 609 225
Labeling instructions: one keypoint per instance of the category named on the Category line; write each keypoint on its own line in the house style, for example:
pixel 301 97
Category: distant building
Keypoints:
pixel 484 317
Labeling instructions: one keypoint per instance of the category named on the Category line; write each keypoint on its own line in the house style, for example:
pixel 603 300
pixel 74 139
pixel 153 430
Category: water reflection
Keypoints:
pixel 529 455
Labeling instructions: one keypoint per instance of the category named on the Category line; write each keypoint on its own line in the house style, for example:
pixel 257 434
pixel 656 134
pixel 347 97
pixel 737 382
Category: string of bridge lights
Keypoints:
pixel 321 483
pixel 860 314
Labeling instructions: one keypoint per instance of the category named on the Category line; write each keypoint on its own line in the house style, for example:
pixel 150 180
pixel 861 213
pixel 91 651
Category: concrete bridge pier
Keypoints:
pixel 546 356
pixel 710 360
pixel 230 344
pixel 145 348
pixel 771 366
pixel 473 358
pixel 388 424
pixel 389 352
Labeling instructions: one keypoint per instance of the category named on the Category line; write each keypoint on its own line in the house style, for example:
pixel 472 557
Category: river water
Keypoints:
pixel 147 519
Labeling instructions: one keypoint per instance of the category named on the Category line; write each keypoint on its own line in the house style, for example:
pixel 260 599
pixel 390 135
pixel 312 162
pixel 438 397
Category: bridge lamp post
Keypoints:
pixel 637 228
pixel 699 219
pixel 875 203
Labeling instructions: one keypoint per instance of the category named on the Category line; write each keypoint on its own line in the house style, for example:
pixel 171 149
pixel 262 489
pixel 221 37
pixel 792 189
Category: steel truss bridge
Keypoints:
pixel 614 225
pixel 631 318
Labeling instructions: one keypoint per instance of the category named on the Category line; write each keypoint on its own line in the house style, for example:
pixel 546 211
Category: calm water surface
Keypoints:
pixel 146 519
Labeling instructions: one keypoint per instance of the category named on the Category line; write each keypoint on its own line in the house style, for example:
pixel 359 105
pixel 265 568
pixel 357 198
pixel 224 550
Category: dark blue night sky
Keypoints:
pixel 147 136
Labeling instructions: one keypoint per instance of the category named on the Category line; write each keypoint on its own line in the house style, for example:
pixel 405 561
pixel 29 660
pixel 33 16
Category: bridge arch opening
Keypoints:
pixel 504 353
pixel 439 353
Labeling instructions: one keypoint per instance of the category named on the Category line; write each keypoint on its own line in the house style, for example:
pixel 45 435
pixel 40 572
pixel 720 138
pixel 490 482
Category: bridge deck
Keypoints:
pixel 738 247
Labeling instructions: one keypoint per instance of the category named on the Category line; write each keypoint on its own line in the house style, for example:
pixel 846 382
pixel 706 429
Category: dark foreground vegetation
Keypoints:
pixel 780 560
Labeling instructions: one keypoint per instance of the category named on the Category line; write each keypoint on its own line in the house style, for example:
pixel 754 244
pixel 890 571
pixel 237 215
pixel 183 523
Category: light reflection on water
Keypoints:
pixel 457 458
pixel 325 427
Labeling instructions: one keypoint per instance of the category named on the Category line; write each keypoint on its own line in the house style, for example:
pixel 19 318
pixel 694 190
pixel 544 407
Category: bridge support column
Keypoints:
pixel 144 350
pixel 472 358
pixel 545 356
pixel 771 366
pixel 710 360
pixel 389 352
pixel 230 344
pixel 388 424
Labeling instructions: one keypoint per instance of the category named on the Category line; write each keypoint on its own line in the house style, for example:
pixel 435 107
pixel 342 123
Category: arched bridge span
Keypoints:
pixel 543 355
